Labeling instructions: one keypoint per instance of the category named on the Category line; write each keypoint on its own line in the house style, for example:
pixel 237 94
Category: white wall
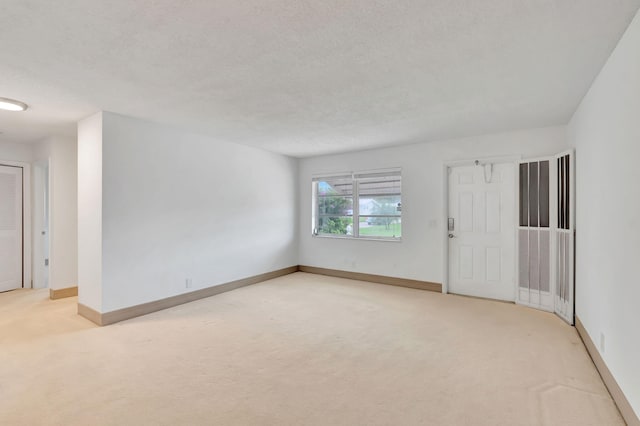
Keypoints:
pixel 419 256
pixel 606 133
pixel 90 212
pixel 60 153
pixel 63 213
pixel 178 206
pixel 12 151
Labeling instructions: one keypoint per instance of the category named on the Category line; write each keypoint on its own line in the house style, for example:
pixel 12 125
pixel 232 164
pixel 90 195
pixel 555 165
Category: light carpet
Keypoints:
pixel 298 350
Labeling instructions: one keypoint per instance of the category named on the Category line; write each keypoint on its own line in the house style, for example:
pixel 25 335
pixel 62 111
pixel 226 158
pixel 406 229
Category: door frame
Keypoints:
pixel 26 219
pixel 40 187
pixel 446 166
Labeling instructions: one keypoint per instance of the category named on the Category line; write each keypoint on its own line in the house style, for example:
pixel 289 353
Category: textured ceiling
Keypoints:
pixel 304 77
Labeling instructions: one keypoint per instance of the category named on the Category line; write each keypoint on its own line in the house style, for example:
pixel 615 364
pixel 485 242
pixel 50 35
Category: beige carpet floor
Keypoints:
pixel 298 350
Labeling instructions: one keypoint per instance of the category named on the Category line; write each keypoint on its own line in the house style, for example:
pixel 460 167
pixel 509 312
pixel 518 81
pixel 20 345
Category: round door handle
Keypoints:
pixel 451 236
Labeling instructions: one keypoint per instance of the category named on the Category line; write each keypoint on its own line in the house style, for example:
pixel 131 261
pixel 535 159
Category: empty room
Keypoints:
pixel 319 213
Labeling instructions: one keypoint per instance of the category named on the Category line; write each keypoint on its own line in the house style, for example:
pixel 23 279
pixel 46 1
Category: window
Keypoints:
pixel 358 205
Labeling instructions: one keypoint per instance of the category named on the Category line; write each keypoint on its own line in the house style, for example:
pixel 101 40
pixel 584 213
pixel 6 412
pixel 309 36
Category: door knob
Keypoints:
pixel 451 236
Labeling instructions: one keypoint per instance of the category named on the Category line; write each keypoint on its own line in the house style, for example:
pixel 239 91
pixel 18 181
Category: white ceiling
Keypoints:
pixel 303 77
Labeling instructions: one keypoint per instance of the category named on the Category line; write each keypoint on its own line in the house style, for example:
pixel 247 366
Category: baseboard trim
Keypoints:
pixel 63 292
pixel 380 279
pixel 610 382
pixel 112 317
pixel 90 314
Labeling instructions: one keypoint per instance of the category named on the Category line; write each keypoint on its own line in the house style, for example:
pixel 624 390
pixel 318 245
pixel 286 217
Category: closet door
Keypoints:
pixel 10 228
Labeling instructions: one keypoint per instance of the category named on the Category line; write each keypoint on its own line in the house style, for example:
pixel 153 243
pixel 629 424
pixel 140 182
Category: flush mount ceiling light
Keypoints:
pixel 12 105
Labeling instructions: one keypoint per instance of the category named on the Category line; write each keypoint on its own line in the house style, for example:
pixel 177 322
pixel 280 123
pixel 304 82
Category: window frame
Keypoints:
pixel 356 178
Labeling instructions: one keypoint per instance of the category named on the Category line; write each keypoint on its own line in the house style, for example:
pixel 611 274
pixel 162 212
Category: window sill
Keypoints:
pixel 330 237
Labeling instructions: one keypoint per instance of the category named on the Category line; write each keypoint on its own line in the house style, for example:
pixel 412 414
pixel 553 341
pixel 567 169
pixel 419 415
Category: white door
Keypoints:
pixel 10 228
pixel 482 230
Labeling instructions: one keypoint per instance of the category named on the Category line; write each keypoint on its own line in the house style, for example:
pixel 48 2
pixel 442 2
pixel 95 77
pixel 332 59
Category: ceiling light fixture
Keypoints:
pixel 12 105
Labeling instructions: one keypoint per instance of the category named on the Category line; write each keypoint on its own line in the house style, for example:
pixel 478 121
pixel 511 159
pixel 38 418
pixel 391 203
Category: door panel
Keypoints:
pixel 493 255
pixel 466 262
pixel 493 215
pixel 546 235
pixel 543 260
pixel 10 228
pixel 533 258
pixel 481 250
pixel 466 212
pixel 565 237
pixel 534 265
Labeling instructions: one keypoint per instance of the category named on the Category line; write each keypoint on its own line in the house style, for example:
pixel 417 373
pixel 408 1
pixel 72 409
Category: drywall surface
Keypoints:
pixel 63 211
pixel 60 153
pixel 178 207
pixel 606 132
pixel 90 212
pixel 11 151
pixel 420 253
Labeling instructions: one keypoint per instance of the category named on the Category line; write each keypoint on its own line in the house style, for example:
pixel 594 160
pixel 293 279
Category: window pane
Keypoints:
pixel 380 196
pixel 567 196
pixel 335 205
pixel 335 225
pixel 380 186
pixel 558 192
pixel 382 227
pixel 385 206
pixel 335 187
pixel 533 194
pixel 544 194
pixel 561 193
pixel 524 194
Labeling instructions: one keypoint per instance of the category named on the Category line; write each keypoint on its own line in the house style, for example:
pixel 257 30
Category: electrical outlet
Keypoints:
pixel 602 342
pixel 188 283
